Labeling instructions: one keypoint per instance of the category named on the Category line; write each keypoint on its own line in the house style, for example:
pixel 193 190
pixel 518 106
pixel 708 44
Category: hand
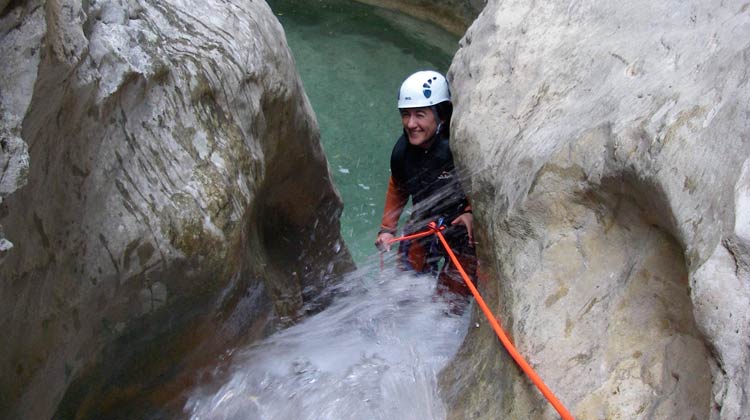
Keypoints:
pixel 466 219
pixel 384 241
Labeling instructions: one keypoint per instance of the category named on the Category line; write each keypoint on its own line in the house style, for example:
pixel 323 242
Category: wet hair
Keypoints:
pixel 445 112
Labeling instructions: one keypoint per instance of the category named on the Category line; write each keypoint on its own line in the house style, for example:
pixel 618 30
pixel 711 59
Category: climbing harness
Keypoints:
pixel 437 229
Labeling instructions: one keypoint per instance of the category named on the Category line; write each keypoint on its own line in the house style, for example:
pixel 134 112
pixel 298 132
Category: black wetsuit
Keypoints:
pixel 429 177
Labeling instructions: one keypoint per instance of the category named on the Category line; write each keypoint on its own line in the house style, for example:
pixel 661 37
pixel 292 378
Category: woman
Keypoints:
pixel 422 168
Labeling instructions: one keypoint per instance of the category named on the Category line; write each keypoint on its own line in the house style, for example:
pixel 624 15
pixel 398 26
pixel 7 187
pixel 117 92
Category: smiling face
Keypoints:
pixel 420 125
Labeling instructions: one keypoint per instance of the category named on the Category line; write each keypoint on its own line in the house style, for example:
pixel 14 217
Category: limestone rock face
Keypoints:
pixel 176 199
pixel 453 15
pixel 607 147
pixel 21 47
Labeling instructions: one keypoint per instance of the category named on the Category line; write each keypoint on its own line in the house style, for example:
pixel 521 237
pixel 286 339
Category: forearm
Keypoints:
pixel 395 201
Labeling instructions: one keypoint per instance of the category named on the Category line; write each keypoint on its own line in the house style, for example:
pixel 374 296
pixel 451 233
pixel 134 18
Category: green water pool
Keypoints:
pixel 352 59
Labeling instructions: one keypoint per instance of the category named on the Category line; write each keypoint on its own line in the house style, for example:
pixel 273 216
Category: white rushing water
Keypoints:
pixel 375 353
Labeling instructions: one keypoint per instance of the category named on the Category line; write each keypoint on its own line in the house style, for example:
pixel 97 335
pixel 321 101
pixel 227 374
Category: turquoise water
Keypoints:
pixel 352 59
pixel 376 351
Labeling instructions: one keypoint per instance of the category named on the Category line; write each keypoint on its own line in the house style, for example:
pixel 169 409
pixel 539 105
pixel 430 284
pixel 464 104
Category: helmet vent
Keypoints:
pixel 427 91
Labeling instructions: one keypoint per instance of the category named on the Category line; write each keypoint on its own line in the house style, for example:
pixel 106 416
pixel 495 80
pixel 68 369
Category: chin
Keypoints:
pixel 417 141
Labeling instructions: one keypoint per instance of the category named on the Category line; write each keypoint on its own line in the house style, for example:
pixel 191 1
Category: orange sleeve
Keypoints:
pixel 395 201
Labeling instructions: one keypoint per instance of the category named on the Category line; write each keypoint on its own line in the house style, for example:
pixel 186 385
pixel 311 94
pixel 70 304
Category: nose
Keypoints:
pixel 411 122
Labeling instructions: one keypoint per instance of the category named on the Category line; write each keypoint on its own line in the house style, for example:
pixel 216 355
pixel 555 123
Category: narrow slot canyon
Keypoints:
pixel 190 193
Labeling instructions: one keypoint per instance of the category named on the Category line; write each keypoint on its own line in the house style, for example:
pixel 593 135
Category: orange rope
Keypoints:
pixel 527 369
pixel 417 235
pixel 422 234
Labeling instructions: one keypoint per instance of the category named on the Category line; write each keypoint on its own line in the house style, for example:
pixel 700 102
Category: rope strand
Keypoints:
pixel 522 363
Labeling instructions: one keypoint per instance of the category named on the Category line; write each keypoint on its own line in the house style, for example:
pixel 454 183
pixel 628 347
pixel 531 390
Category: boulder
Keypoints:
pixel 606 149
pixel 177 200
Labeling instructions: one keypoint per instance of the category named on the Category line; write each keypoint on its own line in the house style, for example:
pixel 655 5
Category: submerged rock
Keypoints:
pixel 607 145
pixel 177 199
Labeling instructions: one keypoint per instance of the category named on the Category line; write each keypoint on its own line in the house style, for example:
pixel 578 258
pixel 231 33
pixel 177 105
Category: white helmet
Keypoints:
pixel 422 89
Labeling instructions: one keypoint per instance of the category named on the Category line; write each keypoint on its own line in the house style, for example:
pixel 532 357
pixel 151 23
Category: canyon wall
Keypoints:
pixel 452 15
pixel 164 196
pixel 607 146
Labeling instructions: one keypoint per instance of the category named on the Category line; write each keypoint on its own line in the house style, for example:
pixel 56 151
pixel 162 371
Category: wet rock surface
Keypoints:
pixel 607 145
pixel 21 48
pixel 453 15
pixel 176 199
